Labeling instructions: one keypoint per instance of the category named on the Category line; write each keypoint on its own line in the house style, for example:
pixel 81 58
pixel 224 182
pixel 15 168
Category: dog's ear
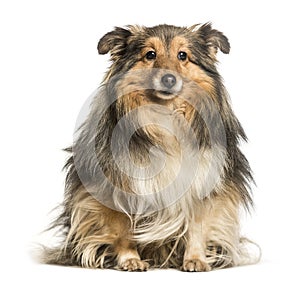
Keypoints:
pixel 213 38
pixel 114 41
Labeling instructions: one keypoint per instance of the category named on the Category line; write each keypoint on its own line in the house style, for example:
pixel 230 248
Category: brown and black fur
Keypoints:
pixel 207 235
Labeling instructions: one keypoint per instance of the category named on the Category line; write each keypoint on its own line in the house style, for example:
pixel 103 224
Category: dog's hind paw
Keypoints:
pixel 195 265
pixel 134 265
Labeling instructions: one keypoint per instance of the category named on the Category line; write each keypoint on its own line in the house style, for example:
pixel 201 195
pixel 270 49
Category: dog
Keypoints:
pixel 155 176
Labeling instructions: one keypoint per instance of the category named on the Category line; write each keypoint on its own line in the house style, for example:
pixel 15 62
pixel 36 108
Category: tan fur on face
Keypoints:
pixel 166 59
pixel 186 68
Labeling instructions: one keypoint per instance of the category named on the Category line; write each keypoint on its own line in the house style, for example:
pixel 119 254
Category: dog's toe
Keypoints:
pixel 195 265
pixel 134 265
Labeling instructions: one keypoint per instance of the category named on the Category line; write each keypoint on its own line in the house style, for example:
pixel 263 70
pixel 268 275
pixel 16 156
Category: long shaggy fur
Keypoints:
pixel 114 234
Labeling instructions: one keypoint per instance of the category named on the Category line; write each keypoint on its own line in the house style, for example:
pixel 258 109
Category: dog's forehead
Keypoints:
pixel 164 37
pixel 165 33
pixel 173 45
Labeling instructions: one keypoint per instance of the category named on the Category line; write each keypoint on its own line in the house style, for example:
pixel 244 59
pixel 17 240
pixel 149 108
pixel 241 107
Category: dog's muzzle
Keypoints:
pixel 167 83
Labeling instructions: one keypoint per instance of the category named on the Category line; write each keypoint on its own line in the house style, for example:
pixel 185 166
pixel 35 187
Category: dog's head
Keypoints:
pixel 166 65
pixel 176 53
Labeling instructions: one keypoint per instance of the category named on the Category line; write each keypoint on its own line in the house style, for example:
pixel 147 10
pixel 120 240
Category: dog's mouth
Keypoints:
pixel 166 93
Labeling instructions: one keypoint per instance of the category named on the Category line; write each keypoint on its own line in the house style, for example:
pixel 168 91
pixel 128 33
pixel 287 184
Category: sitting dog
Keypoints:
pixel 155 177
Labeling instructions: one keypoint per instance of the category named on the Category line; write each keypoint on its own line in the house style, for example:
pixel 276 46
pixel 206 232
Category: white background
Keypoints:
pixel 49 65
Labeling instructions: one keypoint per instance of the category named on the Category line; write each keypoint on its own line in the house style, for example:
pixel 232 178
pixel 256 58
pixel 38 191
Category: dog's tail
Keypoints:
pixel 55 256
pixel 249 252
pixel 246 252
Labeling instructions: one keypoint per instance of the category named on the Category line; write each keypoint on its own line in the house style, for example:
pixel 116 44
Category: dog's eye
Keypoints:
pixel 182 55
pixel 151 55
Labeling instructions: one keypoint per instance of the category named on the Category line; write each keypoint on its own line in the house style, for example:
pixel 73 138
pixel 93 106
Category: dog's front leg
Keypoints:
pixel 194 256
pixel 127 256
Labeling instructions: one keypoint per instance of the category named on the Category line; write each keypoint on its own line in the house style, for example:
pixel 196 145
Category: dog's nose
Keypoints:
pixel 168 80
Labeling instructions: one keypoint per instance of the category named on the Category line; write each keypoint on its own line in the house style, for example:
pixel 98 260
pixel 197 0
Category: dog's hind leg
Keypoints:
pixel 101 237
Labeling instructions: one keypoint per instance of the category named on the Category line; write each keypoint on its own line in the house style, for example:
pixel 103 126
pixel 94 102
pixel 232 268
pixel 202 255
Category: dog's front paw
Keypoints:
pixel 134 265
pixel 195 265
